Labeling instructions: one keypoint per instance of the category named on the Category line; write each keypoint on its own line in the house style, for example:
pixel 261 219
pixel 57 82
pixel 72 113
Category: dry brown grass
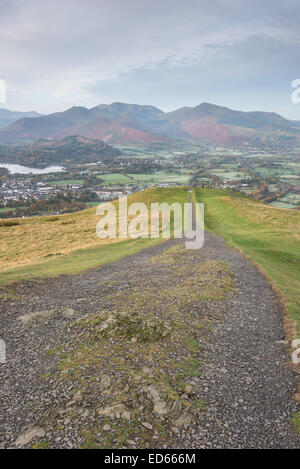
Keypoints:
pixel 36 240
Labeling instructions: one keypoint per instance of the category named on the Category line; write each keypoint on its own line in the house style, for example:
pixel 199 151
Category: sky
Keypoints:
pixel 55 54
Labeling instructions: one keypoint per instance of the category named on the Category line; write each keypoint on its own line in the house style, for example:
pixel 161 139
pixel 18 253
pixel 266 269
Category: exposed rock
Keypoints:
pixel 183 420
pixel 147 425
pixel 188 389
pixel 126 415
pixel 116 411
pixel 68 312
pixel 105 382
pixel 25 318
pixel 77 396
pixel 160 407
pixel 29 434
pixel 131 442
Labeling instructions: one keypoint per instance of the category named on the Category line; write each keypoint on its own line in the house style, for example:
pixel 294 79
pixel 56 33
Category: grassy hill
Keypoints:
pixel 67 244
pixel 132 359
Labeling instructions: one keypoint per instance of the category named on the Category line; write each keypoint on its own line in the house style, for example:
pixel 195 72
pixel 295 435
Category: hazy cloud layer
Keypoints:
pixel 168 53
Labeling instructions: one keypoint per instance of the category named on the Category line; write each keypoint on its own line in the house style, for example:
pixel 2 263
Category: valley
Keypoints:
pixel 267 173
pixel 121 148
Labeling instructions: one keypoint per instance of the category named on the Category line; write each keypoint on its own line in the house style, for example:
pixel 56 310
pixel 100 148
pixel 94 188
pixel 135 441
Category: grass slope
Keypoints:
pixel 268 235
pixel 67 244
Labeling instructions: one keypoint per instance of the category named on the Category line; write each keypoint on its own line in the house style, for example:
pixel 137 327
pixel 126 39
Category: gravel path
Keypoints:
pixel 246 380
pixel 248 384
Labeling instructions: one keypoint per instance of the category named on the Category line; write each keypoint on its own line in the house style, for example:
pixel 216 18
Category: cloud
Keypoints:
pixel 56 53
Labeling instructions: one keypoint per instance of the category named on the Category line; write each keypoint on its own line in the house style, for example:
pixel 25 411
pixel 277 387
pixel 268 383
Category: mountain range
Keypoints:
pixel 121 123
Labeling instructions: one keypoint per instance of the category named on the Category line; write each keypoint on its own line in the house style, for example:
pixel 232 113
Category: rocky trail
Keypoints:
pixel 166 348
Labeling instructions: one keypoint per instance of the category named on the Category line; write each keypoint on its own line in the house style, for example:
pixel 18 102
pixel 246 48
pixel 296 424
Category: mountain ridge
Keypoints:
pixel 8 117
pixel 122 123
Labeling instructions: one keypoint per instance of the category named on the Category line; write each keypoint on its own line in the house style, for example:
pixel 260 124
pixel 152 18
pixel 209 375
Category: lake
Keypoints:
pixel 17 168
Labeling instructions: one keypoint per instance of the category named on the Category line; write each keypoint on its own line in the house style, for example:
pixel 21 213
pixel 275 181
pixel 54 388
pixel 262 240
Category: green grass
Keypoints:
pixel 93 204
pixel 44 444
pixel 268 235
pixel 296 421
pixel 8 209
pixel 160 177
pixel 78 261
pixel 115 178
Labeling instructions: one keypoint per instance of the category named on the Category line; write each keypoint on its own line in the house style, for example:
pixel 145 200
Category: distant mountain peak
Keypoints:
pixel 79 108
pixel 209 106
pixel 7 111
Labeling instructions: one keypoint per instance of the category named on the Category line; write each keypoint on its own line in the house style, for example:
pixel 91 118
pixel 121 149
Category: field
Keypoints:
pixel 268 235
pixel 115 178
pixel 282 204
pixel 158 177
pixel 66 244
pixel 290 200
pixel 229 175
pixel 5 210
